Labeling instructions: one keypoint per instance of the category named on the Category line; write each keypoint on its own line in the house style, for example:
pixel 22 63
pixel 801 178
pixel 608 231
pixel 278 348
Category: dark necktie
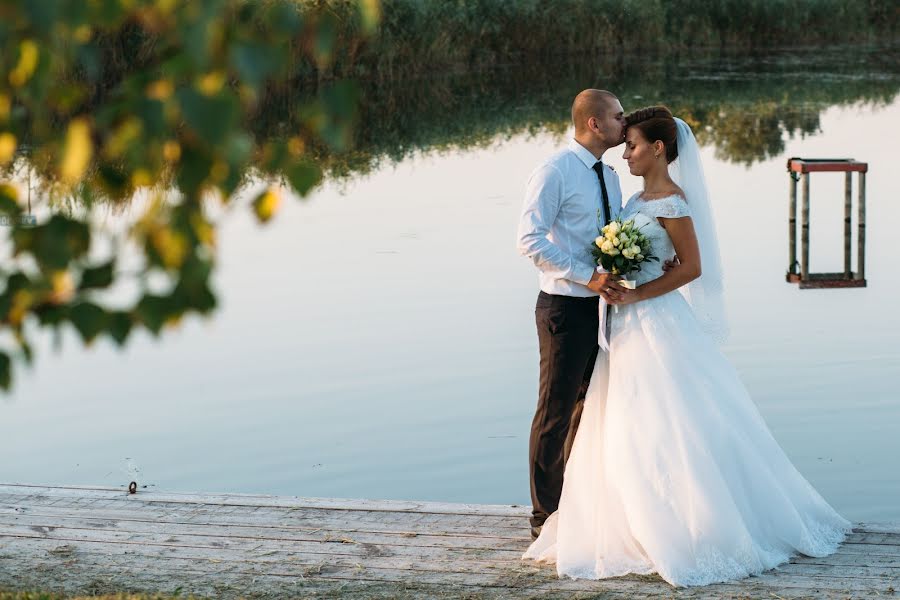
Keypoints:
pixel 598 167
pixel 607 215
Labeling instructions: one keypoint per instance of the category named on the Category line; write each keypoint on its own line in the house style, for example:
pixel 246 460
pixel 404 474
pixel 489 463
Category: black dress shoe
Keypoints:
pixel 535 531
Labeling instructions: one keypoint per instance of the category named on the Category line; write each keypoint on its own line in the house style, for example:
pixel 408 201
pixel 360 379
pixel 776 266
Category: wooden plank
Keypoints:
pixel 512 578
pixel 345 522
pixel 861 230
pixel 799 165
pixel 285 539
pixel 877 527
pixel 315 519
pixel 200 538
pixel 53 494
pixel 866 578
pixel 804 231
pixel 225 545
pixel 820 281
pixel 204 535
pixel 10 503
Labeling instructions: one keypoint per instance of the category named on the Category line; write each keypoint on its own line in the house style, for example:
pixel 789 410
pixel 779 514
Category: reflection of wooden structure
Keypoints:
pixel 798 272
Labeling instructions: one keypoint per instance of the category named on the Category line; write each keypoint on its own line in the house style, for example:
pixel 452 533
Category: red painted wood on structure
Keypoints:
pixel 837 165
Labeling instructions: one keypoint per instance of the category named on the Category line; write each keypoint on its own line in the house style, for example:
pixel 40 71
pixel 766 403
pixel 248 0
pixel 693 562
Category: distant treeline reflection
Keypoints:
pixel 743 106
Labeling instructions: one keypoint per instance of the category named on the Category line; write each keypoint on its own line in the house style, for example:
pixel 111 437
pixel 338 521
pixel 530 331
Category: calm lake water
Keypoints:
pixel 377 339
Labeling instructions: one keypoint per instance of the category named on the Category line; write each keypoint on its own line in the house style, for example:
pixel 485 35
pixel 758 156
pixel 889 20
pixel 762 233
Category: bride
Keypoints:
pixel 673 469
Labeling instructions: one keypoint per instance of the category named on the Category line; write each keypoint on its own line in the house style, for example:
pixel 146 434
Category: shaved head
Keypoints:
pixel 590 103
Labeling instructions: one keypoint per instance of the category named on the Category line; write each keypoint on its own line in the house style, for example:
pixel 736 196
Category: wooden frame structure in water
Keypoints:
pixel 798 271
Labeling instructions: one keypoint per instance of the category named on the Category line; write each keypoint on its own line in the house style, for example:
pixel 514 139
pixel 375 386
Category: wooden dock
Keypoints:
pixel 81 540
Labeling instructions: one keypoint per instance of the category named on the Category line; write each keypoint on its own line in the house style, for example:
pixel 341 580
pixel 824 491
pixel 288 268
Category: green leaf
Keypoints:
pixel 303 176
pixel 194 295
pixel 113 180
pixel 5 371
pixel 54 243
pixel 89 319
pixel 97 277
pixel 255 61
pixel 119 326
pixel 9 201
pixel 51 315
pixel 153 311
pixel 193 169
pixel 211 117
pixel 325 39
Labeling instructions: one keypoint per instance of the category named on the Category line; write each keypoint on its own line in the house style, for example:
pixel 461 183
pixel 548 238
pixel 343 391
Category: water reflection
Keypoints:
pixel 377 341
pixel 747 108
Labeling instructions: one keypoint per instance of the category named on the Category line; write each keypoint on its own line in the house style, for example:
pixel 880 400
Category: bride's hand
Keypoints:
pixel 631 297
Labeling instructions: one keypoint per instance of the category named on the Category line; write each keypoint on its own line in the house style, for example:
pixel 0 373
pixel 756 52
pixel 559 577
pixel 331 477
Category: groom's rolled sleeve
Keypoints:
pixel 543 196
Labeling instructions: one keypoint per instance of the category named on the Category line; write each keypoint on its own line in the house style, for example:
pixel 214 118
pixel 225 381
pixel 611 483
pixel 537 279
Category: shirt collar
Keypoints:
pixel 583 154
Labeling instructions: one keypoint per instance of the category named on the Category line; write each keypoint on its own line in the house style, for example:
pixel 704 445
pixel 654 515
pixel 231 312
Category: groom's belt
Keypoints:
pixel 564 298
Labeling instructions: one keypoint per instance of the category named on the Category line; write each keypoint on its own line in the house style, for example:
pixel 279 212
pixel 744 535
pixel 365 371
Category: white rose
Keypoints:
pixel 613 227
pixel 628 252
pixel 612 252
pixel 606 246
pixel 598 241
pixel 635 249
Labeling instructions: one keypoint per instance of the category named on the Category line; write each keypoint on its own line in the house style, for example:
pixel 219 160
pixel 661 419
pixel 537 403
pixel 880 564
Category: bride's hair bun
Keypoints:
pixel 656 123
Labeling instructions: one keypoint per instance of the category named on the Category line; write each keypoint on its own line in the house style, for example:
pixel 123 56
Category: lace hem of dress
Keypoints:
pixel 711 564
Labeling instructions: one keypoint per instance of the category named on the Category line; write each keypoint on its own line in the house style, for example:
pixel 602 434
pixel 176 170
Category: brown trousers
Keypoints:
pixel 567 338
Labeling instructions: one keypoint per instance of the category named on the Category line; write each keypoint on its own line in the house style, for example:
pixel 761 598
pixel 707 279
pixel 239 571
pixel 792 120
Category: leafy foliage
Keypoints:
pixel 103 99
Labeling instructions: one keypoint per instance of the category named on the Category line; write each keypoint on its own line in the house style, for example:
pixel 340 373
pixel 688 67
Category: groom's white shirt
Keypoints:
pixel 559 220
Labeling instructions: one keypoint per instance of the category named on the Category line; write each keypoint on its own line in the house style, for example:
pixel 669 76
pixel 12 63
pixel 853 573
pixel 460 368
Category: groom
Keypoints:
pixel 556 230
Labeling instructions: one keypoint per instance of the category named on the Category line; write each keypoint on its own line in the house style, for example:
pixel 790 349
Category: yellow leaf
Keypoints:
pixel 266 204
pixel 5 105
pixel 296 146
pixel 166 6
pixel 171 151
pixel 171 247
pixel 28 60
pixel 370 10
pixel 7 147
pixel 204 231
pixel 126 133
pixel 160 89
pixel 141 177
pixel 77 151
pixel 63 287
pixel 21 302
pixel 219 171
pixel 82 34
pixel 211 83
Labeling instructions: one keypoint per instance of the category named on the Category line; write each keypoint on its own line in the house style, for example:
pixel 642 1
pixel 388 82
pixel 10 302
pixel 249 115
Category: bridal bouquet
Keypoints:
pixel 621 248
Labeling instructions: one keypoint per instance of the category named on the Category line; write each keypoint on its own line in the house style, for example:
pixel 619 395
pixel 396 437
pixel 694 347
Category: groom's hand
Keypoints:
pixel 671 264
pixel 606 284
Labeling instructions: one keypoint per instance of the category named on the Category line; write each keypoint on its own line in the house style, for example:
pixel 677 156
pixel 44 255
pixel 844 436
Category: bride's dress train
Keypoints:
pixel 673 470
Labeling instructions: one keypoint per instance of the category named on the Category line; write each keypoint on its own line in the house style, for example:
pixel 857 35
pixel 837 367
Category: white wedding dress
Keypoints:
pixel 673 469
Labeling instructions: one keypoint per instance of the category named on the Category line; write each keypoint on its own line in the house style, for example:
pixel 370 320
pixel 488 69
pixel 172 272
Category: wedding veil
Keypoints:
pixel 706 293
